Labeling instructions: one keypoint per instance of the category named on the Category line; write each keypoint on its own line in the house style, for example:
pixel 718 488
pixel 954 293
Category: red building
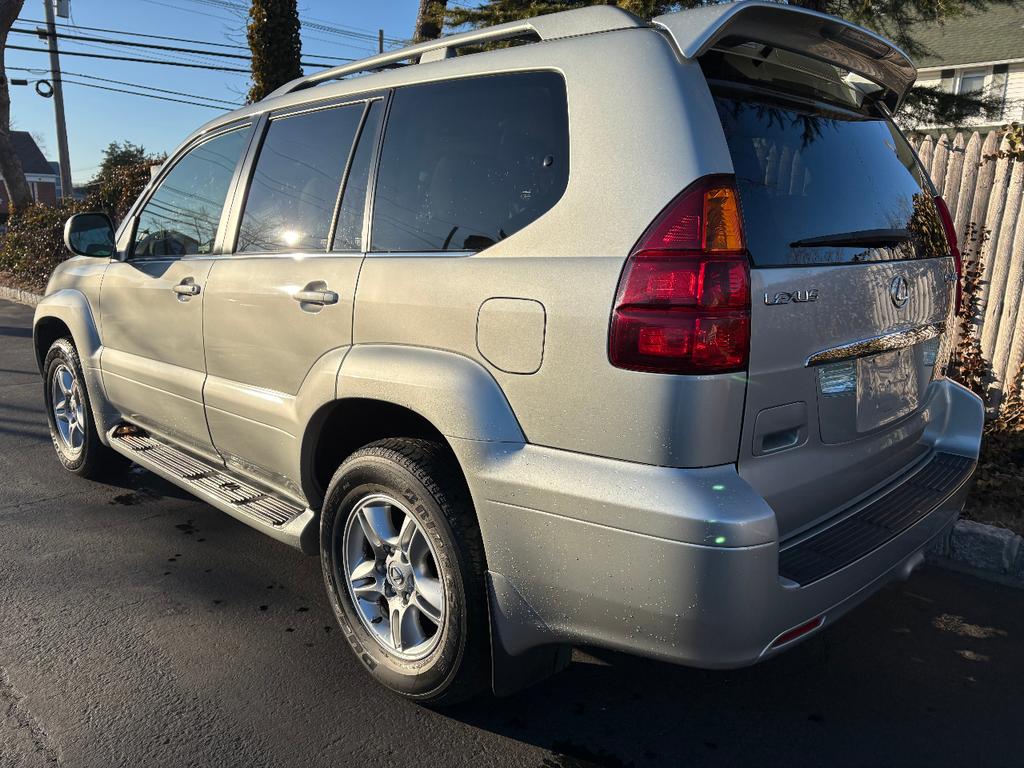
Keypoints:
pixel 40 175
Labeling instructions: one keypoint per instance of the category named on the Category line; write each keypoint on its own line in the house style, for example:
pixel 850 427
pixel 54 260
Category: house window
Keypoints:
pixel 972 81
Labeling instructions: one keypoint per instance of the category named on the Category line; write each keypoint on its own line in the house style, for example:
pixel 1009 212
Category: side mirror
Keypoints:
pixel 90 234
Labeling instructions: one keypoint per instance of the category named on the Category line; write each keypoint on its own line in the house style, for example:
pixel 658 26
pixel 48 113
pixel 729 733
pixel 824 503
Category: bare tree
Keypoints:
pixel 10 164
pixel 429 20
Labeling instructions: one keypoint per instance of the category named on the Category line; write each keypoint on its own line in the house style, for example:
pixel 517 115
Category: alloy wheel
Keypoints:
pixel 393 578
pixel 68 409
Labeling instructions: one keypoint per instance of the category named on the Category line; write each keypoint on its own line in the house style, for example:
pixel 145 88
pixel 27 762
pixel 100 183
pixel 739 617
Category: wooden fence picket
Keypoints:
pixel 965 200
pixel 984 188
pixel 1001 253
pixel 940 159
pixel 950 190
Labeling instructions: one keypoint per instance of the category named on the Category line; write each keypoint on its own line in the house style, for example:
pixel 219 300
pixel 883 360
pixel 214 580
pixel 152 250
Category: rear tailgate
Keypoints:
pixel 851 294
pixel 851 276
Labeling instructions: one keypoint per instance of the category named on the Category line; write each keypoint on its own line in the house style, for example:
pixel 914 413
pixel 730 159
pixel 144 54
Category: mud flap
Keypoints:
pixel 523 651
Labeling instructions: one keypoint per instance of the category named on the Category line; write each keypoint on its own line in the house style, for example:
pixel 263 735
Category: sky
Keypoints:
pixel 96 117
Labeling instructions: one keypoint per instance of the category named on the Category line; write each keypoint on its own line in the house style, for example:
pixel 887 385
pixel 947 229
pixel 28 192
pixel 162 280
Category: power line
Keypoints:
pixel 132 58
pixel 311 23
pixel 154 46
pixel 136 93
pixel 167 37
pixel 130 85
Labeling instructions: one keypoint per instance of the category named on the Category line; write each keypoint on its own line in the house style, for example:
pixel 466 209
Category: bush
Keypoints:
pixel 34 242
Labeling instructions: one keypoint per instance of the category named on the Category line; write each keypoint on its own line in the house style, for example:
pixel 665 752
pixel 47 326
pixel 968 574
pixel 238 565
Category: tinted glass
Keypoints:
pixel 466 163
pixel 294 187
pixel 182 216
pixel 349 233
pixel 847 183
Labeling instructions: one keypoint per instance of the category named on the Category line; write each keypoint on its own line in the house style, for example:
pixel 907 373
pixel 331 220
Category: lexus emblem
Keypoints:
pixel 396 575
pixel 899 291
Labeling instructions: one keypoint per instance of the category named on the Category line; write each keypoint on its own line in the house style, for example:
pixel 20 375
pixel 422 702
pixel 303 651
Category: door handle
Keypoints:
pixel 321 298
pixel 185 288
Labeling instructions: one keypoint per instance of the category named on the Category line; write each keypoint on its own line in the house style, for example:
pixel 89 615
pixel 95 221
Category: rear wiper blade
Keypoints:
pixel 877 238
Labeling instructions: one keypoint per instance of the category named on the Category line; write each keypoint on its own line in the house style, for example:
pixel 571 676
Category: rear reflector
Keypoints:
pixel 954 249
pixel 797 632
pixel 683 303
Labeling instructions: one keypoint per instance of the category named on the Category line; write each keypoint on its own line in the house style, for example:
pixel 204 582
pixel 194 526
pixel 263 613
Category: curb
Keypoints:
pixel 20 296
pixel 986 551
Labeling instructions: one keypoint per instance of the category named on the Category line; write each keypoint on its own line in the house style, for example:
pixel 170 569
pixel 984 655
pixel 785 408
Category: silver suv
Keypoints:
pixel 626 334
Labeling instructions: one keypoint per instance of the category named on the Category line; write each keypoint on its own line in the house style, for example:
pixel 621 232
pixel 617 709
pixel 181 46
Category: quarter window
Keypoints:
pixel 349 232
pixel 467 163
pixel 182 216
pixel 294 188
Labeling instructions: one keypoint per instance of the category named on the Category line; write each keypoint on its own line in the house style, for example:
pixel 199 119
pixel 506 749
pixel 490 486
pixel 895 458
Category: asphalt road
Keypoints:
pixel 139 627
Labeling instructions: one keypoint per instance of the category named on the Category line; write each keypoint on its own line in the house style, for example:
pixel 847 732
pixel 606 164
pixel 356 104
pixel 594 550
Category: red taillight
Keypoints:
pixel 954 250
pixel 683 304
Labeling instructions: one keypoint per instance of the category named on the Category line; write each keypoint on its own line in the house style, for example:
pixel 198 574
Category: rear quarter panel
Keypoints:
pixel 642 126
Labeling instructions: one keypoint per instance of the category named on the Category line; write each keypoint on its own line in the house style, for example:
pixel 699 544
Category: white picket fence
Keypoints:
pixel 984 186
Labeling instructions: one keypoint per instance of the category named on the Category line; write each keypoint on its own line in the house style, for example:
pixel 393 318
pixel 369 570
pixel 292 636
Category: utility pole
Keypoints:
pixel 380 41
pixel 67 190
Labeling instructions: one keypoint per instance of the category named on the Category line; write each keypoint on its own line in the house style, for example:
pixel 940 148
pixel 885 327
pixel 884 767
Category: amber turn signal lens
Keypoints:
pixel 723 230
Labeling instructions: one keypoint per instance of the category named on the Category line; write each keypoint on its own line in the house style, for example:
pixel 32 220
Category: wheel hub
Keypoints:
pixel 399 574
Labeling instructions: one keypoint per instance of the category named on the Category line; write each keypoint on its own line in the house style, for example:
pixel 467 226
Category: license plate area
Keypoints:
pixel 887 388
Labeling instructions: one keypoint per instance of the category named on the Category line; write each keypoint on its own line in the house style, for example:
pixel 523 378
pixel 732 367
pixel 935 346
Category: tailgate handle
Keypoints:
pixel 887 342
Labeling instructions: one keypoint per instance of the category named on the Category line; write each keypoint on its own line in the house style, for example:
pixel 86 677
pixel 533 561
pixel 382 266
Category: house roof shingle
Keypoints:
pixel 32 159
pixel 993 34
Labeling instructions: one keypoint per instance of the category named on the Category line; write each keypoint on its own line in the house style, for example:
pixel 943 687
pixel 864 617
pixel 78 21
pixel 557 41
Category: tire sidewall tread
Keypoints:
pixel 424 476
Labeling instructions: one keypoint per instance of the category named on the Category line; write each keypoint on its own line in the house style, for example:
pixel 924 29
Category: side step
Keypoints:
pixel 280 519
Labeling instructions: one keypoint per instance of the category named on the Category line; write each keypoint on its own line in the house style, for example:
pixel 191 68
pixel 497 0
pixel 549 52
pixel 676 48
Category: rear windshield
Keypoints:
pixel 823 185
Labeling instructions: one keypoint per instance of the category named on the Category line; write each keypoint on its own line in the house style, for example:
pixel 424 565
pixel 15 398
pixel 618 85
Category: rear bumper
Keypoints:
pixel 672 564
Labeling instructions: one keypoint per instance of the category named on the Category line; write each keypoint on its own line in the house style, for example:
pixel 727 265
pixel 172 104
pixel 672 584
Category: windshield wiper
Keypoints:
pixel 872 238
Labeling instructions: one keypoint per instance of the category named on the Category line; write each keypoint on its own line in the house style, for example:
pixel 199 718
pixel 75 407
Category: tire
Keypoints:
pixel 388 482
pixel 74 435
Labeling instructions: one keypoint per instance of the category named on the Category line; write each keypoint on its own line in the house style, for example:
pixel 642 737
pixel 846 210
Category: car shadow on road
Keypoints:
pixel 14 330
pixel 899 682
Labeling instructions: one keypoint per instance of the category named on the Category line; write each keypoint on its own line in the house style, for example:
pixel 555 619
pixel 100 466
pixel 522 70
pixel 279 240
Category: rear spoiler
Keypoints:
pixel 795 29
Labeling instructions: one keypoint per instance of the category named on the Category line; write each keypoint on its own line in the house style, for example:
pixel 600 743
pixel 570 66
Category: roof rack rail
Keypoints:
pixel 581 21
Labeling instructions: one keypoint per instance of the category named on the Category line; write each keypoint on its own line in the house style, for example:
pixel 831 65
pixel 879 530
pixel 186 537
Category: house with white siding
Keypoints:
pixel 980 52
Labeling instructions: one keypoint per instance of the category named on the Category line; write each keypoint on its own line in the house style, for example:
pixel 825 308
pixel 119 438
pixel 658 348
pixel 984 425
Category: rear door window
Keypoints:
pixel 294 187
pixel 466 163
pixel 822 185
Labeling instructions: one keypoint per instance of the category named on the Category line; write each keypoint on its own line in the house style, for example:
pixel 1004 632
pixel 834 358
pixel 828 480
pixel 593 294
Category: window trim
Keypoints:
pixel 131 221
pixel 985 72
pixel 240 196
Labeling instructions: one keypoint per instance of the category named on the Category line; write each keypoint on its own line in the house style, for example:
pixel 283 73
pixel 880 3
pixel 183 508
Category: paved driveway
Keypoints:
pixel 139 627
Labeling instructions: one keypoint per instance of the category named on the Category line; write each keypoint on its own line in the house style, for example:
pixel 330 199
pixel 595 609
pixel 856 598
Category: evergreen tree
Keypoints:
pixel 499 11
pixel 894 19
pixel 275 44
pixel 429 20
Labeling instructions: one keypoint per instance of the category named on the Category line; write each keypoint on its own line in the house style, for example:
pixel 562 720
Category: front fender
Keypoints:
pixel 70 308
pixel 455 394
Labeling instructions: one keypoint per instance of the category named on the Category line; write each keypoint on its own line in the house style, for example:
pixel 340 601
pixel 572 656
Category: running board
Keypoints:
pixel 280 519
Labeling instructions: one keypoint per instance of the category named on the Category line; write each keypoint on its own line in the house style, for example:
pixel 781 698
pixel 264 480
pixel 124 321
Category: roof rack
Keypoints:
pixel 581 21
